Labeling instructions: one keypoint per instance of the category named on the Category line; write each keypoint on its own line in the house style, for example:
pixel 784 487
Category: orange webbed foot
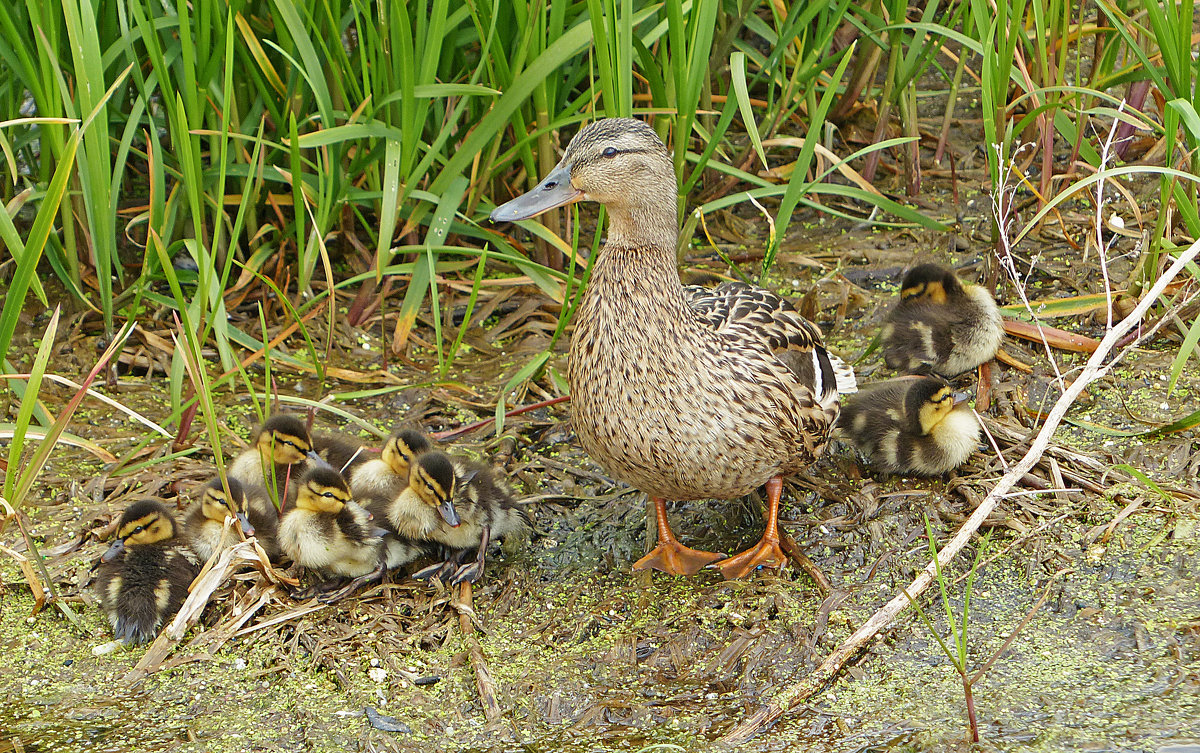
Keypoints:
pixel 766 552
pixel 676 559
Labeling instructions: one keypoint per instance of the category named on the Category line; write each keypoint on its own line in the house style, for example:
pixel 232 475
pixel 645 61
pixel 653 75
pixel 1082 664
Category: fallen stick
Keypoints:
pixel 483 678
pixel 1095 368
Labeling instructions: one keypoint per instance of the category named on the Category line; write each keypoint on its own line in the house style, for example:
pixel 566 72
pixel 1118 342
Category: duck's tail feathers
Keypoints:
pixel 843 375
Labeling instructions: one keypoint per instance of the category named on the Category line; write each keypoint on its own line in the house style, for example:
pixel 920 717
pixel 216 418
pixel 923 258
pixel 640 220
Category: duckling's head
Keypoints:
pixel 285 439
pixel 402 448
pixel 619 162
pixel 323 490
pixel 217 505
pixel 928 401
pixel 434 481
pixel 143 523
pixel 930 282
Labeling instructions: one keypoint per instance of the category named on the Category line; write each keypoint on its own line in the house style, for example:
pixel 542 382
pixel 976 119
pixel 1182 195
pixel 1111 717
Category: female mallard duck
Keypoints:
pixel 460 504
pixel 327 531
pixel 910 425
pixel 205 520
pixel 145 574
pixel 684 392
pixel 940 324
pixel 283 448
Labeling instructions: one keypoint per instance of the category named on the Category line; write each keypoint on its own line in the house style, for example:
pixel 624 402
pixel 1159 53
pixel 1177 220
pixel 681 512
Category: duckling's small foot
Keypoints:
pixel 439 570
pixel 468 573
pixel 375 576
pixel 766 553
pixel 676 559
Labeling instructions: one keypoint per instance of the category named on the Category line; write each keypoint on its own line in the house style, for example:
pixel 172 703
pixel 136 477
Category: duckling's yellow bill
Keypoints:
pixel 555 190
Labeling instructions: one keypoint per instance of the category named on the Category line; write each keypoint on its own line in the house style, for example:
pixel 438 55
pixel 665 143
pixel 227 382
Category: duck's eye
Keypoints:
pixel 609 151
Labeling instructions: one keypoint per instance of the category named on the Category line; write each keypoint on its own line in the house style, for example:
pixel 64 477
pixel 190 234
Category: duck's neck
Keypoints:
pixel 639 251
pixel 652 223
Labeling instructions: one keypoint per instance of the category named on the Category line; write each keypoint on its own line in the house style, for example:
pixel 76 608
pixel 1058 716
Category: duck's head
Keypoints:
pixel 619 162
pixel 144 522
pixel 930 282
pixel 217 505
pixel 285 440
pixel 433 481
pixel 928 401
pixel 324 491
pixel 402 449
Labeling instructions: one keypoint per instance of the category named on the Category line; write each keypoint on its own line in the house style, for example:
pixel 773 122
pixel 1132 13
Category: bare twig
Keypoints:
pixel 483 678
pixel 1095 369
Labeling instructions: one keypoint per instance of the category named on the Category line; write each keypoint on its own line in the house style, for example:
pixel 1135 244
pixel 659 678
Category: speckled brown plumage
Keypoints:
pixel 685 393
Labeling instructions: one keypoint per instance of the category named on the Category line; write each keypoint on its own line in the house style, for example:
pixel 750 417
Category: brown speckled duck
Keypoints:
pixel 940 324
pixel 683 392
pixel 910 425
pixel 145 574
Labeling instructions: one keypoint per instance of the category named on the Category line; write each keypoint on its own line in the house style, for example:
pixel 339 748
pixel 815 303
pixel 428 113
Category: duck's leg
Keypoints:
pixel 472 571
pixel 766 551
pixel 669 555
pixel 441 570
pixel 375 576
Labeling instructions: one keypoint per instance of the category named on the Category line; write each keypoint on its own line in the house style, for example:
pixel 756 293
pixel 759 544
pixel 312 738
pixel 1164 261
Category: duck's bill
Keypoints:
pixel 555 190
pixel 114 550
pixel 320 461
pixel 247 528
pixel 449 514
pixel 961 398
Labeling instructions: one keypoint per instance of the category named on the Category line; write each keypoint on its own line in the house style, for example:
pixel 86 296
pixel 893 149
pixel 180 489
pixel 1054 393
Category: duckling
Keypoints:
pixel 282 448
pixel 384 477
pixel 910 425
pixel 145 574
pixel 327 531
pixel 940 324
pixel 459 503
pixel 206 519
pixel 375 484
pixel 379 481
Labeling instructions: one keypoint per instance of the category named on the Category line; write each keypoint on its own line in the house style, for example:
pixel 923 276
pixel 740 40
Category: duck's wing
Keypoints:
pixel 750 314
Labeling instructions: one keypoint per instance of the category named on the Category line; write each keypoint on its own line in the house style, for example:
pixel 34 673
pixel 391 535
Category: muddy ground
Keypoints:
pixel 585 655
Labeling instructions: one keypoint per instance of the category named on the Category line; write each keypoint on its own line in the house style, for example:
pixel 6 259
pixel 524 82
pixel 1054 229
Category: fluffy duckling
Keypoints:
pixel 911 425
pixel 940 324
pixel 384 477
pixel 205 519
pixel 282 449
pixel 376 483
pixel 460 504
pixel 145 574
pixel 327 531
